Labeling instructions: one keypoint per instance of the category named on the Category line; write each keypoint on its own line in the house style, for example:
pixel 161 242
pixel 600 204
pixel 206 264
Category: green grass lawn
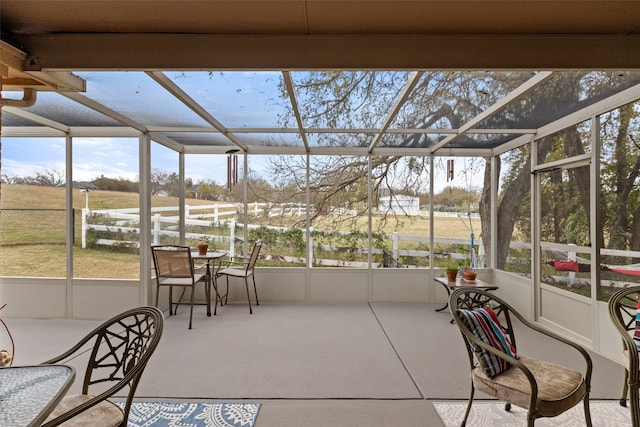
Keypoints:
pixel 32 241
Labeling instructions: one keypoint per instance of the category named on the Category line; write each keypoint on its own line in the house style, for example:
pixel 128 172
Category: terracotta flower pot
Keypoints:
pixel 202 249
pixel 451 275
pixel 470 275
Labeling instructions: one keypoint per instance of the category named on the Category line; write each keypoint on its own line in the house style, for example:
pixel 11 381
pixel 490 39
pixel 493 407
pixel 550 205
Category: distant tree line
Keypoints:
pixel 260 190
pixel 46 178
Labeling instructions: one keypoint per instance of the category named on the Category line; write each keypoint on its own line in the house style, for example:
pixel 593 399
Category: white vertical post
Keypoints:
pixel 156 229
pixel 70 213
pixel 216 213
pixel 245 193
pixel 595 227
pixel 431 204
pixel 310 247
pixel 396 240
pixel 232 238
pixel 146 290
pixel 85 213
pixel 571 256
pixel 181 197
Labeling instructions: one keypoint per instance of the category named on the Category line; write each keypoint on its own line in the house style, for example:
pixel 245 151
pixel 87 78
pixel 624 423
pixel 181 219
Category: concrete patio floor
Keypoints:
pixel 376 364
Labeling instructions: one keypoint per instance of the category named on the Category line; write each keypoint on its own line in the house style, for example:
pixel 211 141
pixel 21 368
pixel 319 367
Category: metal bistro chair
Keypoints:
pixel 242 267
pixel 120 349
pixel 543 388
pixel 174 267
pixel 624 310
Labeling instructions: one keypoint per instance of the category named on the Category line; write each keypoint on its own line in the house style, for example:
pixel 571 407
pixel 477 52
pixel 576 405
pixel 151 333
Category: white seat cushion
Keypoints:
pixel 104 414
pixel 181 281
pixel 235 272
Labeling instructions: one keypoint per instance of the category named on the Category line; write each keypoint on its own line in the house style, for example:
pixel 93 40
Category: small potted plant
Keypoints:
pixel 451 268
pixel 203 245
pixel 469 274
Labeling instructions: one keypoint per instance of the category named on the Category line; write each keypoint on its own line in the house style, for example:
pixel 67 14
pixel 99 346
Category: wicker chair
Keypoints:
pixel 120 349
pixel 174 267
pixel 242 267
pixel 543 388
pixel 622 310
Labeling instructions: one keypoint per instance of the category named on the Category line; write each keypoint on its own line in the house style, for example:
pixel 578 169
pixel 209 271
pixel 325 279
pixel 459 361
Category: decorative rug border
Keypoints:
pixel 604 413
pixel 202 414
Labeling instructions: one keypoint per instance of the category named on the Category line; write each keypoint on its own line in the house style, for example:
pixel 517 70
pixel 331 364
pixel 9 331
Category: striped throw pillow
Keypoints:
pixel 636 333
pixel 484 324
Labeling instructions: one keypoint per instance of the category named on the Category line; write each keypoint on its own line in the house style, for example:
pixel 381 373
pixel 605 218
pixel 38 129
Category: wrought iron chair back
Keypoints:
pixel 623 312
pixel 121 349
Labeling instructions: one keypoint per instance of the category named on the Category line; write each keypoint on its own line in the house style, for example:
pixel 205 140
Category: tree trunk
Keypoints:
pixel 507 211
pixel 573 147
pixel 558 205
pixel 635 234
pixel 485 207
pixel 619 228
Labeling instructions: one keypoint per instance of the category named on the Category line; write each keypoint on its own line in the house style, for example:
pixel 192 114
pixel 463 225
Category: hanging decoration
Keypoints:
pixel 232 171
pixel 450 174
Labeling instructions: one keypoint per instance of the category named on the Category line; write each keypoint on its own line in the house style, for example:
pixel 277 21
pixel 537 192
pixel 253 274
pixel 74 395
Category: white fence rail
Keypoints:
pixel 127 221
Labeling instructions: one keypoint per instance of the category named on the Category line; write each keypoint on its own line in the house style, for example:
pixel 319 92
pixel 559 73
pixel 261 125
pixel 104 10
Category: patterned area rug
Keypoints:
pixel 492 414
pixel 193 414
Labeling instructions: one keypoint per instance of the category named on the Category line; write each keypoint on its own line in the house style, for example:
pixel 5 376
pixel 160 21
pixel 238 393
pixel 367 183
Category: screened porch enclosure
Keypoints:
pixel 343 175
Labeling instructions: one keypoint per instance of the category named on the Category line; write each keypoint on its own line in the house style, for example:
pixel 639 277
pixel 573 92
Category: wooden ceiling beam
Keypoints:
pixel 392 52
pixel 8 82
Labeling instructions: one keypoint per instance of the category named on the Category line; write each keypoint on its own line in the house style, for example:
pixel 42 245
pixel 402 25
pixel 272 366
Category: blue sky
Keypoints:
pixel 93 157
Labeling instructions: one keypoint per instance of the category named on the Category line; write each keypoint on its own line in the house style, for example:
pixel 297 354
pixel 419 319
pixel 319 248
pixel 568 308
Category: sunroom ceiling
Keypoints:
pixel 210 76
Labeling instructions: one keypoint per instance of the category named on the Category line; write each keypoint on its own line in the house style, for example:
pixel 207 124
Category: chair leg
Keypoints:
pixel 255 291
pixel 214 285
pixel 226 296
pixel 466 413
pixel 191 305
pixel 171 301
pixel 625 389
pixel 587 411
pixel 246 286
pixel 207 293
pixel 635 405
